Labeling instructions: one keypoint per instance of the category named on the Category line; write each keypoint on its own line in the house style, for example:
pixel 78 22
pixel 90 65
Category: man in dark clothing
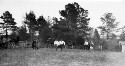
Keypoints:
pixel 33 44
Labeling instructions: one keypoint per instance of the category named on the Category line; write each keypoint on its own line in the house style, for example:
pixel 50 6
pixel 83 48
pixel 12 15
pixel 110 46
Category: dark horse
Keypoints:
pixel 50 42
pixel 80 42
pixel 71 44
pixel 83 43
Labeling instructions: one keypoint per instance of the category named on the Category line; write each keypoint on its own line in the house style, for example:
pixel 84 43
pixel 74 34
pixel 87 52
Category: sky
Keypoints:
pixel 96 9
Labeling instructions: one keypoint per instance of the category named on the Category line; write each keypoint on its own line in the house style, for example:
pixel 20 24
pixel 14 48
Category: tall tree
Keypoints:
pixel 43 28
pixel 9 22
pixel 31 22
pixel 23 33
pixel 96 35
pixel 74 22
pixel 42 23
pixel 96 39
pixel 109 24
pixel 122 36
pixel 76 18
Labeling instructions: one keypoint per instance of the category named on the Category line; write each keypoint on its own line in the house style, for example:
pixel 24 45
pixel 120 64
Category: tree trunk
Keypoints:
pixel 31 34
pixel 107 35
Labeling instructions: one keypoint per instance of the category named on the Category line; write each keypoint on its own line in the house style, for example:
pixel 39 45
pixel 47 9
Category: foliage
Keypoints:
pixel 113 35
pixel 109 23
pixel 43 28
pixel 76 18
pixel 7 18
pixel 42 23
pixel 37 24
pixel 74 22
pixel 23 34
pixel 8 21
pixel 13 35
pixel 80 40
pixel 96 40
pixel 96 37
pixel 30 20
pixel 122 37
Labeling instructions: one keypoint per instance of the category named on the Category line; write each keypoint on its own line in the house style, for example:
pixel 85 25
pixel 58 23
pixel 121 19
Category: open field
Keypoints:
pixel 67 57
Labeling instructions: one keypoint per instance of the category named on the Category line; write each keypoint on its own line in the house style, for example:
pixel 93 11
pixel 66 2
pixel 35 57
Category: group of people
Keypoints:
pixel 59 44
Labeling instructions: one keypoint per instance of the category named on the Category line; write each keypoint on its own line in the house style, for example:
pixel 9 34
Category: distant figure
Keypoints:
pixel 34 44
pixel 4 43
pixel 86 45
pixel 1 43
pixel 37 43
pixel 50 42
pixel 91 45
pixel 59 44
pixel 17 40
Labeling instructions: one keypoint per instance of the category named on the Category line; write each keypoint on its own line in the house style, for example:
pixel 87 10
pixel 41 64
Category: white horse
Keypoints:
pixel 59 44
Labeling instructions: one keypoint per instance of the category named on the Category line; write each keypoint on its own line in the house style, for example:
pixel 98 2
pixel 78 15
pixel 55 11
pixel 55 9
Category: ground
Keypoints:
pixel 67 57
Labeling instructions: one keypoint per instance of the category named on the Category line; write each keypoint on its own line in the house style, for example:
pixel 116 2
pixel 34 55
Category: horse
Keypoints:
pixel 59 44
pixel 50 43
pixel 71 44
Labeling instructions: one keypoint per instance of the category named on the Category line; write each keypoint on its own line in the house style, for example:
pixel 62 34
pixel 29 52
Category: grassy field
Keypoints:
pixel 67 57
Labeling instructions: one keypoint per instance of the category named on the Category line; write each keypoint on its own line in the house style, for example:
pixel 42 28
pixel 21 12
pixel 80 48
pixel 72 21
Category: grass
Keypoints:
pixel 50 57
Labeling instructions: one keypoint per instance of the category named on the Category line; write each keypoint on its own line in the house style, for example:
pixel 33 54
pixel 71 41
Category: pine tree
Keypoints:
pixel 31 22
pixel 96 39
pixel 9 23
pixel 109 24
pixel 74 22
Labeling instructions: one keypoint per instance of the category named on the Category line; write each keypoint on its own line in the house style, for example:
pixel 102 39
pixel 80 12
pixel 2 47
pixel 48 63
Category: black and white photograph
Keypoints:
pixel 62 32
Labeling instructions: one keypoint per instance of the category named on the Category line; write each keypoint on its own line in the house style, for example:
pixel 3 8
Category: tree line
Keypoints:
pixel 72 25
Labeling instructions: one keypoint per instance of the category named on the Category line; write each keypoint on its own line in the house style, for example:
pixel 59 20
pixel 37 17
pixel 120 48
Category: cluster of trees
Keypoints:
pixel 73 25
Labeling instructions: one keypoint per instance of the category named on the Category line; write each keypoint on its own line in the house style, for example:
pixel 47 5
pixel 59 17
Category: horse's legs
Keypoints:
pixel 33 46
pixel 61 48
pixel 56 48
pixel 84 47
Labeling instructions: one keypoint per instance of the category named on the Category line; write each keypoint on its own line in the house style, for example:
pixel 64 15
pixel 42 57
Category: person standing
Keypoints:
pixel 33 44
pixel 37 43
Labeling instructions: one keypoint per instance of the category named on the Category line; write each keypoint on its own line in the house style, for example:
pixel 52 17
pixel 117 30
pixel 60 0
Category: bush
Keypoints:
pixel 80 42
pixel 104 45
pixel 111 45
pixel 118 48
